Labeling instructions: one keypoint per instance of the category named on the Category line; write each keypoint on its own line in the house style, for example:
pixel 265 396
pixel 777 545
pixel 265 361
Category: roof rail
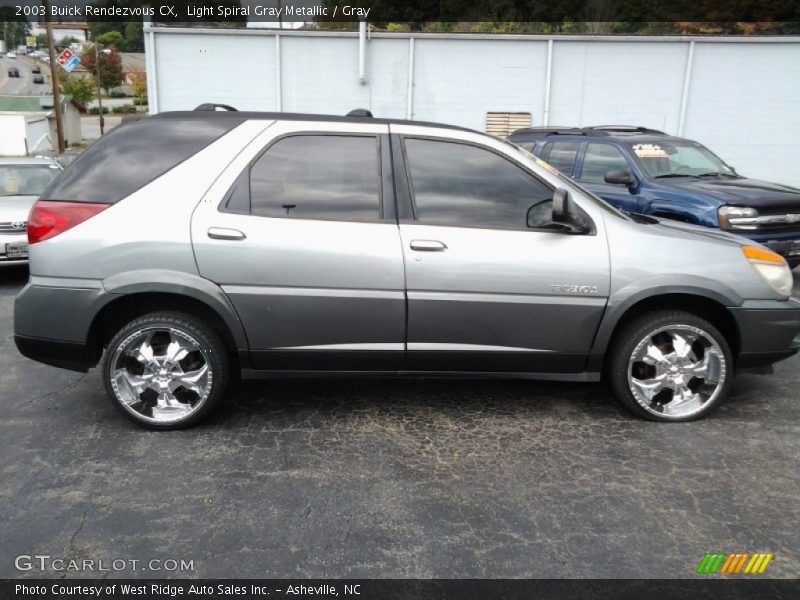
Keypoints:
pixel 624 129
pixel 208 106
pixel 554 130
pixel 360 112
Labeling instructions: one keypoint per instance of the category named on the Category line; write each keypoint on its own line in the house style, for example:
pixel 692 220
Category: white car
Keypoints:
pixel 11 55
pixel 22 181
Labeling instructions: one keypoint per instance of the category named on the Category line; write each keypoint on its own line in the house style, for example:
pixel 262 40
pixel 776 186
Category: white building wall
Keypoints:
pixel 12 140
pixel 742 99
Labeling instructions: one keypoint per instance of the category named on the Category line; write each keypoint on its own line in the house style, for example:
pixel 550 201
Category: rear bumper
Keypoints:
pixel 769 331
pixel 66 355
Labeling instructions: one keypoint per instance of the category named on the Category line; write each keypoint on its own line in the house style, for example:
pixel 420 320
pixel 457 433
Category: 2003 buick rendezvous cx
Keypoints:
pixel 188 244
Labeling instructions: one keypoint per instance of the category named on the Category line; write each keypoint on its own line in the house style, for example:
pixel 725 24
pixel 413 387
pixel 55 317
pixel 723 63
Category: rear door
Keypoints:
pixel 485 292
pixel 301 234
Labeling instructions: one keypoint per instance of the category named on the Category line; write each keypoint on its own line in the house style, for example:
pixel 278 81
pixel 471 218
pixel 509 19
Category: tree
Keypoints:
pixel 80 88
pixel 138 81
pixel 111 38
pixel 110 72
pixel 65 41
pixel 14 32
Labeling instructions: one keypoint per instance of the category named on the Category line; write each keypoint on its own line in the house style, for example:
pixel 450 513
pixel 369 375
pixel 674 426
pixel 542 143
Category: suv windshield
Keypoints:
pixel 26 180
pixel 679 159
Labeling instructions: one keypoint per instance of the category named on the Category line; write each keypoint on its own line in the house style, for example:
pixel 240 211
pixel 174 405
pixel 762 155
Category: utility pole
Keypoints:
pixel 99 95
pixel 51 51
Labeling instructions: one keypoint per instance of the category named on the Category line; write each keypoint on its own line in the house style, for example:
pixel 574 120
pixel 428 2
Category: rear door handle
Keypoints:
pixel 428 245
pixel 223 233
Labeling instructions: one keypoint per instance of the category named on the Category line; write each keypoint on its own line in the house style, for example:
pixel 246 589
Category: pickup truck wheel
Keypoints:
pixel 165 370
pixel 670 365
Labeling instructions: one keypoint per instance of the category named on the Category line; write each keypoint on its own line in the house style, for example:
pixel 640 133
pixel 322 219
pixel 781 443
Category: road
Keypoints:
pixel 395 478
pixel 23 85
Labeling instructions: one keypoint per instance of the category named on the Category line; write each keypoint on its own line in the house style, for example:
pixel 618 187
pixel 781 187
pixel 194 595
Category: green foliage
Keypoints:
pixel 95 110
pixel 111 38
pixel 124 109
pixel 80 88
pixel 126 36
pixel 109 70
pixel 66 41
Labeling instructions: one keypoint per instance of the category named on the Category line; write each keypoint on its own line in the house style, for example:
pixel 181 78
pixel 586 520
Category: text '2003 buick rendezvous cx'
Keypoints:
pixel 186 245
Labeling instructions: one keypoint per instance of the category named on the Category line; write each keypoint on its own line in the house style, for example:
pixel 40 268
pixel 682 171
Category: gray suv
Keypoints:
pixel 188 246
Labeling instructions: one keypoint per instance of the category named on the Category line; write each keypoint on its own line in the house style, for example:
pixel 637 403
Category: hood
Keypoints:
pixel 741 191
pixel 15 208
pixel 681 229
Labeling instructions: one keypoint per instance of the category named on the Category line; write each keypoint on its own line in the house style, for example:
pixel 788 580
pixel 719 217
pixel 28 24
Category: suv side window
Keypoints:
pixel 561 155
pixel 326 177
pixel 461 185
pixel 599 159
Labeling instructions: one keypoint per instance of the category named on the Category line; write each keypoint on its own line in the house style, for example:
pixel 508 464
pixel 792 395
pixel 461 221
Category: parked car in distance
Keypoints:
pixel 22 181
pixel 37 69
pixel 13 72
pixel 11 55
pixel 38 79
pixel 646 171
pixel 273 244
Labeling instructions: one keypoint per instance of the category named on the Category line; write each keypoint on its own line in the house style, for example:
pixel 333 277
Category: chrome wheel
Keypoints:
pixel 160 374
pixel 675 371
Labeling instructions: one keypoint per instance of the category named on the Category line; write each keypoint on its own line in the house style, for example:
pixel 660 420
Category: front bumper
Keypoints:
pixel 769 331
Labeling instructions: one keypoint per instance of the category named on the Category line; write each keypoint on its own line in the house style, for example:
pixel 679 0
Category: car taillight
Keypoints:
pixel 48 218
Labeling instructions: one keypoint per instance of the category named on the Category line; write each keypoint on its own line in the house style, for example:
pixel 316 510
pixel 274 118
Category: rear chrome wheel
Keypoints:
pixel 675 371
pixel 670 366
pixel 165 370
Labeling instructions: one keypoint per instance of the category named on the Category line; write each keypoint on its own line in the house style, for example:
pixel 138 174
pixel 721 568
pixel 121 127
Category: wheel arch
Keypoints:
pixel 702 302
pixel 134 294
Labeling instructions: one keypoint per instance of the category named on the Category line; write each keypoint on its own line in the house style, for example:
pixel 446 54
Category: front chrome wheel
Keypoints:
pixel 161 374
pixel 676 371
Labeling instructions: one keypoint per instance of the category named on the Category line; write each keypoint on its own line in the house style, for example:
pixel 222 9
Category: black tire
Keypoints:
pixel 214 354
pixel 625 343
pixel 793 262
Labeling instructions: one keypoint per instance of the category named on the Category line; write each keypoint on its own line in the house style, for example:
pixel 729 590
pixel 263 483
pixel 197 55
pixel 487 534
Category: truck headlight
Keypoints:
pixel 772 267
pixel 736 217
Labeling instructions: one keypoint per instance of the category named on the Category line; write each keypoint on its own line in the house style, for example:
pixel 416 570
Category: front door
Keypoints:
pixel 302 247
pixel 598 159
pixel 485 292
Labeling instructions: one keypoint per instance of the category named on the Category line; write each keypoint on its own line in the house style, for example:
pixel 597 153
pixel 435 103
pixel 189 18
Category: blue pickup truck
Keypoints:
pixel 646 171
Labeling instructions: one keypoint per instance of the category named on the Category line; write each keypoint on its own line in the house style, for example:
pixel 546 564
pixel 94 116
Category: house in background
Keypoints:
pixel 28 124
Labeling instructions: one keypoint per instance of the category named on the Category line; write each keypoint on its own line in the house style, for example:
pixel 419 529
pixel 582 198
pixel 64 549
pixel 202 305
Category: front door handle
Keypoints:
pixel 223 233
pixel 428 245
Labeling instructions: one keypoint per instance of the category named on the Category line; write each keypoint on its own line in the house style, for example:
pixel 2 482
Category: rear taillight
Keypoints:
pixel 49 218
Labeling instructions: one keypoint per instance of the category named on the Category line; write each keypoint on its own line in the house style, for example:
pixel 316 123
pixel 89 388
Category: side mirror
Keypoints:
pixel 561 207
pixel 623 177
pixel 558 214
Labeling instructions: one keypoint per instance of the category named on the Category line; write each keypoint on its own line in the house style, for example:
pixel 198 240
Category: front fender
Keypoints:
pixel 626 297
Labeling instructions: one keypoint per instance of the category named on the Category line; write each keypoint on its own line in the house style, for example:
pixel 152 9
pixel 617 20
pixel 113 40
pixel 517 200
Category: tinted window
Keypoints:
pixel 460 185
pixel 561 155
pixel 599 160
pixel 134 154
pixel 318 177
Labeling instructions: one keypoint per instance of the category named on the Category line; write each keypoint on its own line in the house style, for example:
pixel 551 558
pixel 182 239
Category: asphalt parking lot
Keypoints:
pixel 394 478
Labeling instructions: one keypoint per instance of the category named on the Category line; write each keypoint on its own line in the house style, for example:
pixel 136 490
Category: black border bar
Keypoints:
pixel 702 588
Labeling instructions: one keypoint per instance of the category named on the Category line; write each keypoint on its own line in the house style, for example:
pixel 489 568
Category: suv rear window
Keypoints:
pixel 133 155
